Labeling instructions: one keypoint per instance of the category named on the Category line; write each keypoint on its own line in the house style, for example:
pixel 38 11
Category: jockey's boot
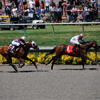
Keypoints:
pixel 74 49
pixel 15 50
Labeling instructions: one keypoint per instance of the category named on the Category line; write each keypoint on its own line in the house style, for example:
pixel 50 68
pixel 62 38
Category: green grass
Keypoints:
pixel 44 37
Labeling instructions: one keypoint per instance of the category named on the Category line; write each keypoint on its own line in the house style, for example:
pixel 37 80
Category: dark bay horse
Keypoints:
pixel 81 52
pixel 21 54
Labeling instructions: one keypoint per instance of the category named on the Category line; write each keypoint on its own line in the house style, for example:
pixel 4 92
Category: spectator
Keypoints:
pixel 95 3
pixel 24 3
pixel 8 9
pixel 14 12
pixel 21 4
pixel 47 4
pixel 32 4
pixel 87 12
pixel 0 4
pixel 92 12
pixel 80 13
pixel 74 13
pixel 96 12
pixel 37 4
pixel 72 3
pixel 61 6
pixel 68 3
pixel 26 10
pixel 42 6
pixel 58 11
pixel 88 3
pixel 69 12
pixel 52 3
pixel 3 2
pixel 92 2
pixel 13 3
pixel 10 4
pixel 42 9
pixel 52 12
pixel 38 13
pixel 77 2
pixel 21 12
pixel 64 7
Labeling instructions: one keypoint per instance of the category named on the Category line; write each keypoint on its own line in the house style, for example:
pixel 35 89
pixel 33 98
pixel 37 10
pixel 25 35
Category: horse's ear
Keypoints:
pixel 30 41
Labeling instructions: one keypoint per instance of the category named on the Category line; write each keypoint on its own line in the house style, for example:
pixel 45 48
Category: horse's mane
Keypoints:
pixel 85 42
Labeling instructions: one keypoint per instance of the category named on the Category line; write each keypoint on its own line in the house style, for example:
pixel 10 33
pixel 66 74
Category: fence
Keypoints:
pixel 52 24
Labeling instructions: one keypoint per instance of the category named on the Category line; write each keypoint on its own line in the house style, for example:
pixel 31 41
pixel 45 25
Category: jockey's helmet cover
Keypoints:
pixel 23 38
pixel 81 35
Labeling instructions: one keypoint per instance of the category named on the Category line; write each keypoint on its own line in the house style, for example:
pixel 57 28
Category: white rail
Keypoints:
pixel 52 24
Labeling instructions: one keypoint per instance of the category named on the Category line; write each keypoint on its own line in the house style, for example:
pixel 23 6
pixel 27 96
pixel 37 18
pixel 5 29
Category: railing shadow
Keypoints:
pixel 79 69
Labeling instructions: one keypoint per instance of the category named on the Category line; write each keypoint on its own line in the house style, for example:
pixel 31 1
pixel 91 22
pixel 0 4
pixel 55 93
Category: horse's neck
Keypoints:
pixel 27 47
pixel 87 45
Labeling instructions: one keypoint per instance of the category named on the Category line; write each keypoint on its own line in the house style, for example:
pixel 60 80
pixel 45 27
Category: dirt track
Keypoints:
pixel 65 82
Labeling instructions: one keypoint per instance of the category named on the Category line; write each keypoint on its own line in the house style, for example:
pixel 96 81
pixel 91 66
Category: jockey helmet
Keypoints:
pixel 81 35
pixel 23 38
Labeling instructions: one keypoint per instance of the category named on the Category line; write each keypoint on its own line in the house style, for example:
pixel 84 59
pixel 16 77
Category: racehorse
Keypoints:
pixel 67 50
pixel 21 54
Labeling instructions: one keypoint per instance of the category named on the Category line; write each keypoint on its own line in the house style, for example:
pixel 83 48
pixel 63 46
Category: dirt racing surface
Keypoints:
pixel 65 82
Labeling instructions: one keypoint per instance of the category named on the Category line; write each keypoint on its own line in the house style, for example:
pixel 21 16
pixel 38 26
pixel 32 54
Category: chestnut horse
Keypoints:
pixel 81 52
pixel 21 54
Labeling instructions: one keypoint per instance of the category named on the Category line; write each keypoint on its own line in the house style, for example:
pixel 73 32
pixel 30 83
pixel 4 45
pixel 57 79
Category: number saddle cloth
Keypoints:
pixel 70 49
pixel 11 48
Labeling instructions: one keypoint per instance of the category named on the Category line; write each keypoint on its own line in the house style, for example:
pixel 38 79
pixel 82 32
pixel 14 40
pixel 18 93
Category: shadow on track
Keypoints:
pixel 28 71
pixel 80 69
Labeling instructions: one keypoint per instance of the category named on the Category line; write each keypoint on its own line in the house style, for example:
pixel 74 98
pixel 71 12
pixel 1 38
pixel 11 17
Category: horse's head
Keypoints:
pixel 95 45
pixel 34 45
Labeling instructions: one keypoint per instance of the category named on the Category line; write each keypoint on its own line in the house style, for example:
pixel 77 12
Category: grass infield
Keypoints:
pixel 44 37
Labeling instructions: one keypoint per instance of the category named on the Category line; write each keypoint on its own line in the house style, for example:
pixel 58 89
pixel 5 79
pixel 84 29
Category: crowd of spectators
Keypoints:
pixel 73 10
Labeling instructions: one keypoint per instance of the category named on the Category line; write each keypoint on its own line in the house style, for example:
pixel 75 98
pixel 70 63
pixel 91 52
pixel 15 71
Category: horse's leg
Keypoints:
pixel 9 60
pixel 20 59
pixel 55 59
pixel 89 59
pixel 32 62
pixel 83 63
pixel 50 60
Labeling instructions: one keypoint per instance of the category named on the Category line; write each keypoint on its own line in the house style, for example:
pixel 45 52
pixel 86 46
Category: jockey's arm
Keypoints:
pixel 83 40
pixel 22 41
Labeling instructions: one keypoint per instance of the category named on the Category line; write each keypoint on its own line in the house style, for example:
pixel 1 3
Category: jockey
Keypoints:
pixel 19 43
pixel 75 40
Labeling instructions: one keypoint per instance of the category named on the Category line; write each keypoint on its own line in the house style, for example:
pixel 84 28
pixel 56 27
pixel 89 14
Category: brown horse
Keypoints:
pixel 21 54
pixel 81 52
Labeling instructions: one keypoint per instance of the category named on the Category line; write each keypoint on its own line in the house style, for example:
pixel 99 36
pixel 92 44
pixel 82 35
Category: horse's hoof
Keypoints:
pixel 19 66
pixel 51 68
pixel 98 64
pixel 17 71
pixel 37 68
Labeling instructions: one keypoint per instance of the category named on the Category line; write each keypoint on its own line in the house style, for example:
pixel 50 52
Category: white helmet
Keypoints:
pixel 23 38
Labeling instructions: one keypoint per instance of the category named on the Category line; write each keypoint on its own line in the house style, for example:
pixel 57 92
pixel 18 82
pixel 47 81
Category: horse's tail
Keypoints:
pixel 52 51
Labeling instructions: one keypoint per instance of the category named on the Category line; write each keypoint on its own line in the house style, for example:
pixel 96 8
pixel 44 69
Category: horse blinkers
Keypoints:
pixel 95 46
pixel 35 46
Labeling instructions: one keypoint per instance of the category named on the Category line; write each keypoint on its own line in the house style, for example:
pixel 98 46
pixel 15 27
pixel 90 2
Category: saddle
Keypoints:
pixel 12 49
pixel 70 49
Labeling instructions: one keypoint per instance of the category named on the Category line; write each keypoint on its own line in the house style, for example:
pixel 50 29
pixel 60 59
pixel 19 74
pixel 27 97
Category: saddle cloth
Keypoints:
pixel 70 49
pixel 11 48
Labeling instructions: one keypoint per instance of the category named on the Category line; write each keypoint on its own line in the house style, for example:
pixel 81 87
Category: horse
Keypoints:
pixel 21 54
pixel 81 51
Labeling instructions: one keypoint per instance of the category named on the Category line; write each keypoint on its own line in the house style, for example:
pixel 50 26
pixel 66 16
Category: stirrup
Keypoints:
pixel 74 49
